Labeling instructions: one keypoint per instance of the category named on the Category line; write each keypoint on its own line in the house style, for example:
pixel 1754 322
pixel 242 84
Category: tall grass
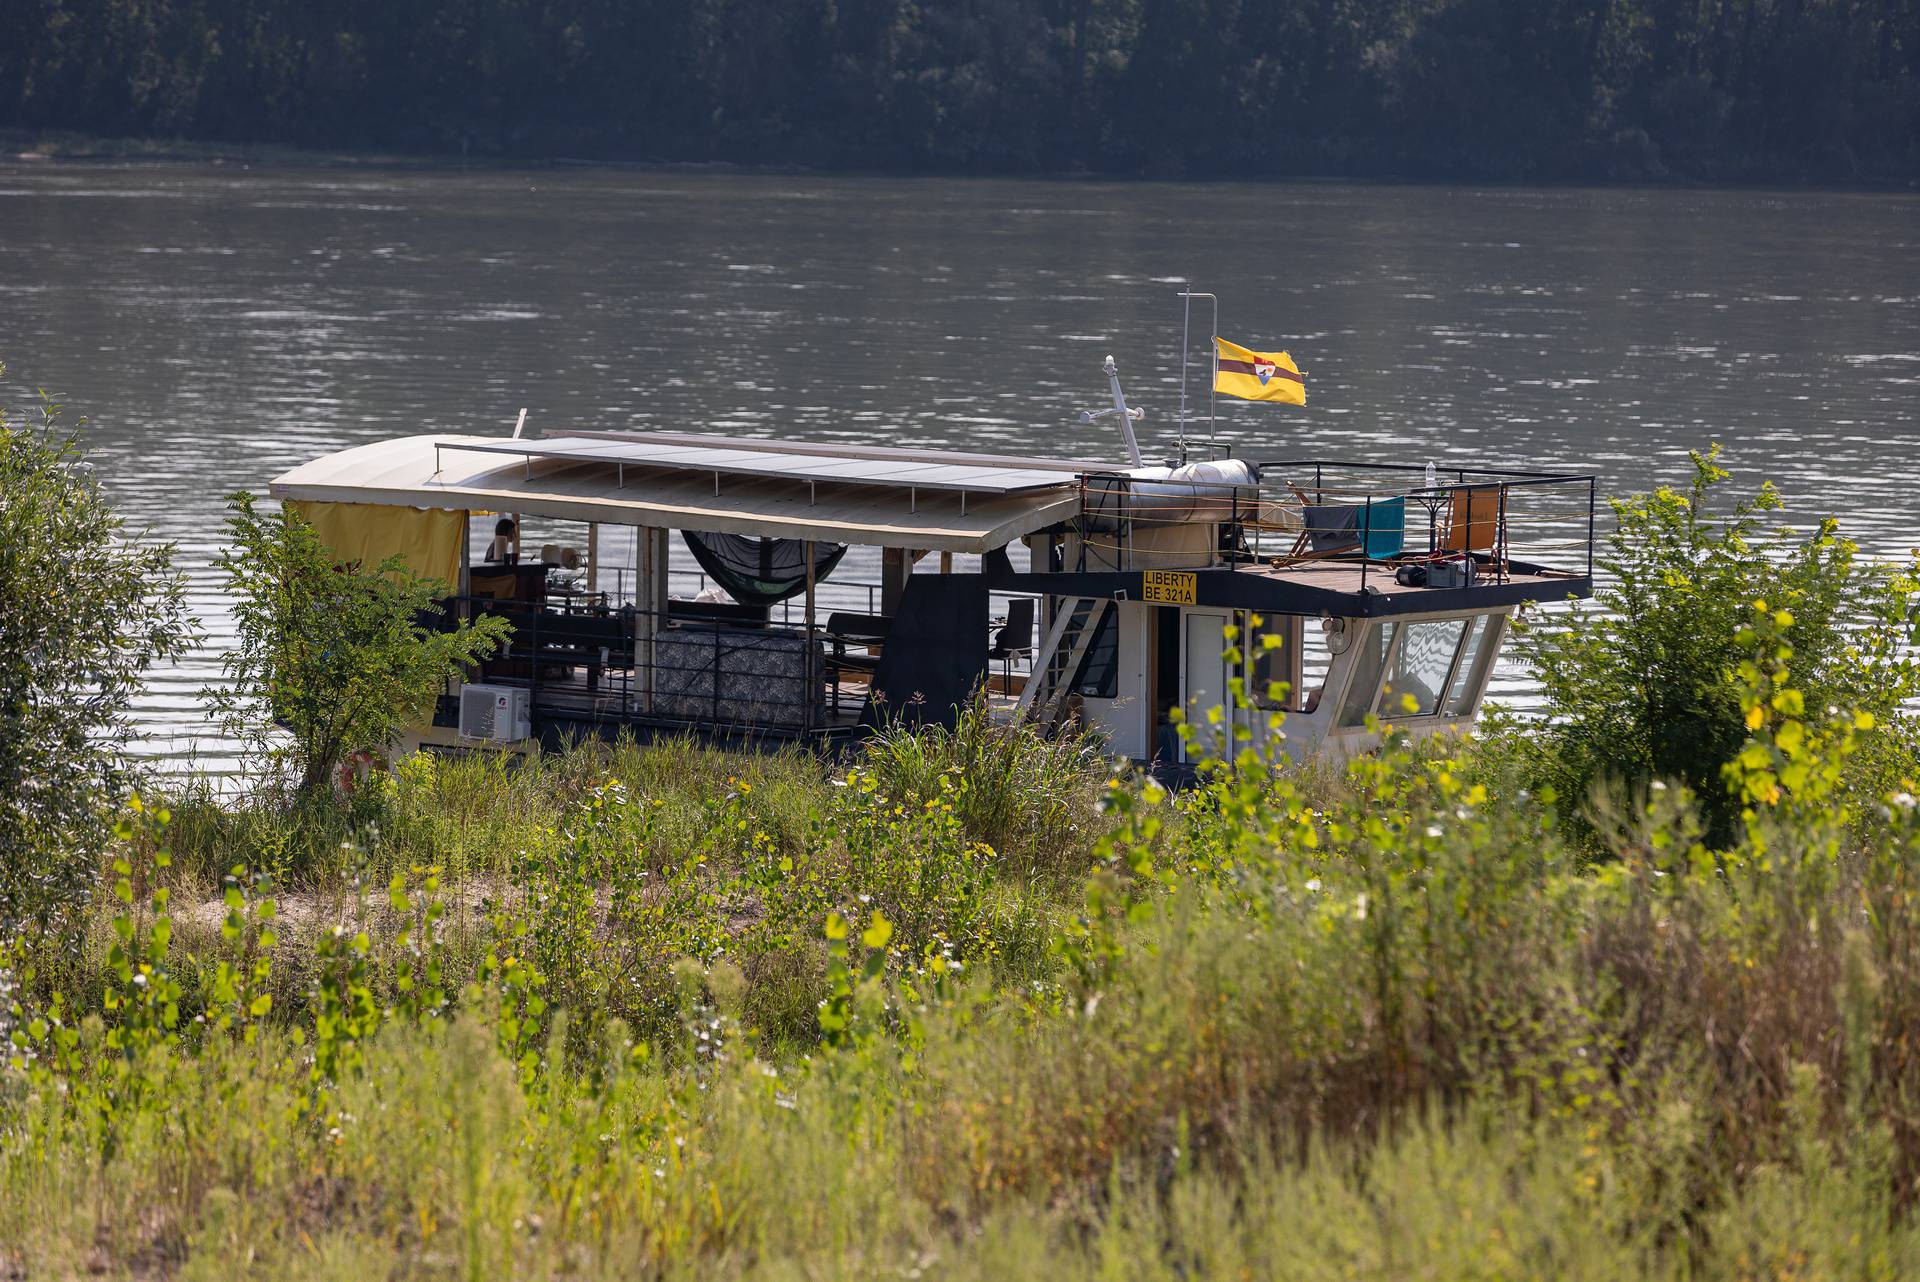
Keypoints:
pixel 763 1018
pixel 1033 799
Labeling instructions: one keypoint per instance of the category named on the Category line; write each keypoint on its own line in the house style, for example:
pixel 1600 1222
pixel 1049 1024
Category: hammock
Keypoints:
pixel 761 571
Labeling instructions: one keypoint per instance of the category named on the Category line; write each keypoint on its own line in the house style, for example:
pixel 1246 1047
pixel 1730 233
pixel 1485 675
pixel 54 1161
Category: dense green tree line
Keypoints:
pixel 1718 89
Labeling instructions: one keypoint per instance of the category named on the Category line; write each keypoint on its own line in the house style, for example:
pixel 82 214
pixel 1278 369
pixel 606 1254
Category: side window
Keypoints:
pixel 1471 672
pixel 1421 668
pixel 1373 643
pixel 1269 666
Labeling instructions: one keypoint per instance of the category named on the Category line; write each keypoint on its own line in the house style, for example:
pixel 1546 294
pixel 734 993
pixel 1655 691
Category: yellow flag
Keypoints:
pixel 1257 376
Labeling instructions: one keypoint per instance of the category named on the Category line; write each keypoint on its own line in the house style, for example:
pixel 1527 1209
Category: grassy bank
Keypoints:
pixel 969 1007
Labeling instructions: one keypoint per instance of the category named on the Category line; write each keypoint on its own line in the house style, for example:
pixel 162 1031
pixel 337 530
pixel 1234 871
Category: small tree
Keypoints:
pixel 1645 686
pixel 339 659
pixel 84 610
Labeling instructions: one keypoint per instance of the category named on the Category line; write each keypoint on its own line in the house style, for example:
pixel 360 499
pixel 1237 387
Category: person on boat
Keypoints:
pixel 500 551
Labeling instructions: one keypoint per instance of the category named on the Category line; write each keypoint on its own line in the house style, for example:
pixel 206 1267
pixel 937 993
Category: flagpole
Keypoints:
pixel 1213 357
pixel 1213 384
pixel 1186 349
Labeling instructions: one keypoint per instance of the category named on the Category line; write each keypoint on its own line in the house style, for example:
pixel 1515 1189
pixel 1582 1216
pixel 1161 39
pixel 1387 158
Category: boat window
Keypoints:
pixel 1421 667
pixel 1100 671
pixel 1301 640
pixel 1470 673
pixel 1372 645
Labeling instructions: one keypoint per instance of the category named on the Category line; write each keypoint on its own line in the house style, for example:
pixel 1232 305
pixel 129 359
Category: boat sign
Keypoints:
pixel 1175 587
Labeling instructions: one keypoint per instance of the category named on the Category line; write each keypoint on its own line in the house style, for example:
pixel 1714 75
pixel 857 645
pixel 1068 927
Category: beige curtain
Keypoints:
pixel 368 533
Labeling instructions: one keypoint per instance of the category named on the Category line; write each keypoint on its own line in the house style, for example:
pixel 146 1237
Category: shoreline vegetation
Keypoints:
pixel 1780 92
pixel 32 147
pixel 1632 993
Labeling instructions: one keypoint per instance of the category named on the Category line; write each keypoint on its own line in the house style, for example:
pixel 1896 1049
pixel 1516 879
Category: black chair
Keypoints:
pixel 1014 638
pixel 858 629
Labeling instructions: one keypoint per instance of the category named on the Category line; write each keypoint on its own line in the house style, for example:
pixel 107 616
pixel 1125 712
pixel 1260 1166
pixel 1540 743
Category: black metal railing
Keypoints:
pixel 690 666
pixel 1367 517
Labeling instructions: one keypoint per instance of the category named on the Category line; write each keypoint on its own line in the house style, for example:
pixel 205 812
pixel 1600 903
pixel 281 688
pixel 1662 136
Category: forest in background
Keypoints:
pixel 1631 90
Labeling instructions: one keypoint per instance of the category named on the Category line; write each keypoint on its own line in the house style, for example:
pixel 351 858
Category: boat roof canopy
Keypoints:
pixel 928 500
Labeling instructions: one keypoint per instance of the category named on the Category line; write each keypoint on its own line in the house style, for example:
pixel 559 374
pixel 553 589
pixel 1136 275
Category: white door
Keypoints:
pixel 1203 665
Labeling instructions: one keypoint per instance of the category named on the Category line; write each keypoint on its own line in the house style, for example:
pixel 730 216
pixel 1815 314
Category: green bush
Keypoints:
pixel 1030 797
pixel 86 606
pixel 1640 685
pixel 330 661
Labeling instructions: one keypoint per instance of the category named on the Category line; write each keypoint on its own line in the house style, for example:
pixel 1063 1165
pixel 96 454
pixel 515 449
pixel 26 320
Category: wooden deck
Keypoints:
pixel 1348 576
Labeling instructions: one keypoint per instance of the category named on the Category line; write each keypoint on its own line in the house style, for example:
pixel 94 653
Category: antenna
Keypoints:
pixel 1186 349
pixel 1127 417
pixel 521 425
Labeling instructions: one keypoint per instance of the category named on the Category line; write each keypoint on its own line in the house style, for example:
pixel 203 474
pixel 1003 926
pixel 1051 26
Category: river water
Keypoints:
pixel 217 324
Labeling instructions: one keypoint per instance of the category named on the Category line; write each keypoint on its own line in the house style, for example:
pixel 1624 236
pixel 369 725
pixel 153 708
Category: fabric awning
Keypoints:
pixel 366 534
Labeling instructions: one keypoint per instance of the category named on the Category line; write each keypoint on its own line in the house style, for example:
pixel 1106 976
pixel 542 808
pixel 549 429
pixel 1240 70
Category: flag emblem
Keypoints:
pixel 1257 376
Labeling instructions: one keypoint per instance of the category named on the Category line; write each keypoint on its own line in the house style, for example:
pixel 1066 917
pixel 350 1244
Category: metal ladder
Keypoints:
pixel 1065 646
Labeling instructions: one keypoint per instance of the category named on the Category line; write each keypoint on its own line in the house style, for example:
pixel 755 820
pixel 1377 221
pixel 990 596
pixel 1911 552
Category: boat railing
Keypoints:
pixel 1369 518
pixel 718 671
pixel 696 666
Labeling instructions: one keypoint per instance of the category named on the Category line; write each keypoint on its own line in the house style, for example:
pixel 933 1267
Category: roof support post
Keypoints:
pixel 895 565
pixel 465 586
pixel 810 691
pixel 650 604
pixel 593 555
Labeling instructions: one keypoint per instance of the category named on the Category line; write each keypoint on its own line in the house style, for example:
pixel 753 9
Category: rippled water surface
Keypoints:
pixel 217 325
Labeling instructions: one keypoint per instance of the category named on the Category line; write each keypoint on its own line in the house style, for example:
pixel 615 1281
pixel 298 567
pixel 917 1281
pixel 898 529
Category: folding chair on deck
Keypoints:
pixel 1477 522
pixel 1378 529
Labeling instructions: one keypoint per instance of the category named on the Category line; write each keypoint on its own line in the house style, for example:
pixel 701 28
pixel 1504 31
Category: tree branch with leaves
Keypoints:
pixel 330 660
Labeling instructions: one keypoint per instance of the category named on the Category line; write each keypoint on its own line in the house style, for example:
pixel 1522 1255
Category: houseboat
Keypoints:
pixel 763 591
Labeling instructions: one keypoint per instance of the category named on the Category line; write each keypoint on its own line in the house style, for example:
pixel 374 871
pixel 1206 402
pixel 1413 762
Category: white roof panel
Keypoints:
pixel 461 472
pixel 794 463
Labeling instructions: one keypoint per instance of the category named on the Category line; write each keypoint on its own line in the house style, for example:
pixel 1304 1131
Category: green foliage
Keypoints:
pixel 1644 684
pixel 86 607
pixel 1633 89
pixel 1025 795
pixel 339 659
pixel 143 995
pixel 239 985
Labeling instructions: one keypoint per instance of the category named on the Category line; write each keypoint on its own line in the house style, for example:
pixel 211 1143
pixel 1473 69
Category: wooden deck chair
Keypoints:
pixel 1378 531
pixel 1477 523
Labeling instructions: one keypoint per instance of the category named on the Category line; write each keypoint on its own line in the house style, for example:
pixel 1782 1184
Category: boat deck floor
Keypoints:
pixel 1350 577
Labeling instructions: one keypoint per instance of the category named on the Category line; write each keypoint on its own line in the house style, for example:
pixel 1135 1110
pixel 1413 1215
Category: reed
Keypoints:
pixel 663 1012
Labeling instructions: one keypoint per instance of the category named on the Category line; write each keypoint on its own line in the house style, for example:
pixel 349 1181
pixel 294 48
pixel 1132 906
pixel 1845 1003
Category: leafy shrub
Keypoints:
pixel 1030 797
pixel 86 606
pixel 338 659
pixel 1641 685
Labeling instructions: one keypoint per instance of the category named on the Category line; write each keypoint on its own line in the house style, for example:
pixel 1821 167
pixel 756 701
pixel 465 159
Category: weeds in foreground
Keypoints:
pixel 1359 1031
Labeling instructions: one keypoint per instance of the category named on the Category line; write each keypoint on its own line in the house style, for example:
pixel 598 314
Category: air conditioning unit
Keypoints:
pixel 496 713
